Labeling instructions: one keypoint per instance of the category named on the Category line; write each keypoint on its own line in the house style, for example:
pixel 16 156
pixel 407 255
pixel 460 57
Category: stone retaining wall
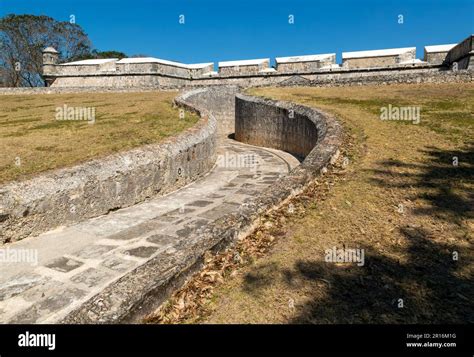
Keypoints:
pixel 435 57
pixel 136 294
pixel 124 80
pixel 154 72
pixel 324 78
pixel 70 195
pixel 347 77
pixel 307 132
pixel 462 54
pixel 220 101
pixel 61 90
pixel 270 125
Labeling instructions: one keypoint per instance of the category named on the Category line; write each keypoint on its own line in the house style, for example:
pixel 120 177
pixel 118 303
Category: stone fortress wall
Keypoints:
pixel 437 54
pixel 304 64
pixel 322 68
pixel 380 58
pixel 244 68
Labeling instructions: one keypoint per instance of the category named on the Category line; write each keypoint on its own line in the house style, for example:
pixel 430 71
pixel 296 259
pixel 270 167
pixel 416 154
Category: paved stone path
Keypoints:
pixel 75 263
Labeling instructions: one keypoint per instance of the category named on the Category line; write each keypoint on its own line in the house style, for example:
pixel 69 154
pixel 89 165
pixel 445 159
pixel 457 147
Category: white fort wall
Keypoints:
pixel 437 54
pixel 158 73
pixel 379 58
pixel 306 63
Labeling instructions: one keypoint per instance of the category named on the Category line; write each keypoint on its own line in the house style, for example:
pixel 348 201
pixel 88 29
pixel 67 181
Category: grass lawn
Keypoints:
pixel 401 198
pixel 32 140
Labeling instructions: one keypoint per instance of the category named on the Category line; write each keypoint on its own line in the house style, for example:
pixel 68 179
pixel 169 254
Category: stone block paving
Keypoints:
pixel 75 263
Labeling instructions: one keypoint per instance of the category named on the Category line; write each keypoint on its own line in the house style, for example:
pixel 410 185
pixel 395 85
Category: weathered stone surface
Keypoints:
pixel 138 230
pixel 47 306
pixel 141 252
pixel 64 264
pixel 200 203
pixel 161 239
pixel 191 227
pixel 304 64
pixel 271 125
pixel 19 284
pixel 88 190
pixel 135 294
pixel 168 247
pixel 419 73
pixel 91 277
pixel 379 60
pixel 462 54
pixel 94 251
pixel 159 74
pixel 103 260
pixel 118 264
pixel 243 68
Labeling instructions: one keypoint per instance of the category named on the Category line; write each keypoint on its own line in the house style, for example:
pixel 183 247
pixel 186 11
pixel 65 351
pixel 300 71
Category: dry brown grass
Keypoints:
pixel 33 141
pixel 408 252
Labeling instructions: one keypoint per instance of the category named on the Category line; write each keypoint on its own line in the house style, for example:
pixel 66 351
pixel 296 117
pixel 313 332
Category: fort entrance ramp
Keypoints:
pixel 119 266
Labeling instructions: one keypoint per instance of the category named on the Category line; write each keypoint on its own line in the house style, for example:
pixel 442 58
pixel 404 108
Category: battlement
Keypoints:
pixel 437 54
pixel 151 71
pixel 244 67
pixel 143 65
pixel 462 54
pixel 306 63
pixel 379 58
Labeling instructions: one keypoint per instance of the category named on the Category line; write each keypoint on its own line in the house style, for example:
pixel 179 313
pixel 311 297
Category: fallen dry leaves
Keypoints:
pixel 191 302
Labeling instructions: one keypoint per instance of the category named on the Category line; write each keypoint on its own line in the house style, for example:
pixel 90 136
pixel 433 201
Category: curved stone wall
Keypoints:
pixel 96 187
pixel 138 293
pixel 220 101
pixel 271 125
pixel 297 129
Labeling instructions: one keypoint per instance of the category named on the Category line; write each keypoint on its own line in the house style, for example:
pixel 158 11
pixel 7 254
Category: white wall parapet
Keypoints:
pixel 437 54
pixel 305 58
pixel 439 48
pixel 377 53
pixel 162 61
pixel 244 67
pixel 151 71
pixel 89 62
pixel 306 63
pixel 378 58
pixel 252 62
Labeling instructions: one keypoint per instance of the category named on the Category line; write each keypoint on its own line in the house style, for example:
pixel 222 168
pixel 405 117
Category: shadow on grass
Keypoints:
pixel 427 278
pixel 445 186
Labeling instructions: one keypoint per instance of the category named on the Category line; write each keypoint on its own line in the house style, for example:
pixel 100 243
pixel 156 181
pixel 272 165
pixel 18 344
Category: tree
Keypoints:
pixel 101 54
pixel 22 39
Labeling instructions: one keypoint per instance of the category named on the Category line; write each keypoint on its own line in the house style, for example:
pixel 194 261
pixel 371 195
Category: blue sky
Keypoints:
pixel 245 29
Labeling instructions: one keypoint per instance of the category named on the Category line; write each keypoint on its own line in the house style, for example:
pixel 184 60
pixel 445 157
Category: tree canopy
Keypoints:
pixel 101 54
pixel 23 38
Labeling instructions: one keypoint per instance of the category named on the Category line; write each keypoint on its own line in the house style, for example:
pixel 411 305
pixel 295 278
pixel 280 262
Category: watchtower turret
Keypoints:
pixel 50 60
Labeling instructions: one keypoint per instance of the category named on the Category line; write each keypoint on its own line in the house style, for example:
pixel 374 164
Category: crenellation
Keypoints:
pixel 244 67
pixel 462 55
pixel 369 66
pixel 304 64
pixel 379 58
pixel 437 54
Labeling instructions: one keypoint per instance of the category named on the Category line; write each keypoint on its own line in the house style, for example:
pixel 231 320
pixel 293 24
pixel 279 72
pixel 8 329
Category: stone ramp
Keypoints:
pixel 129 252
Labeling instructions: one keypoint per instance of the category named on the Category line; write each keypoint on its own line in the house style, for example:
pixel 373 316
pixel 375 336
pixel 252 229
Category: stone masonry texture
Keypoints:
pixel 96 187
